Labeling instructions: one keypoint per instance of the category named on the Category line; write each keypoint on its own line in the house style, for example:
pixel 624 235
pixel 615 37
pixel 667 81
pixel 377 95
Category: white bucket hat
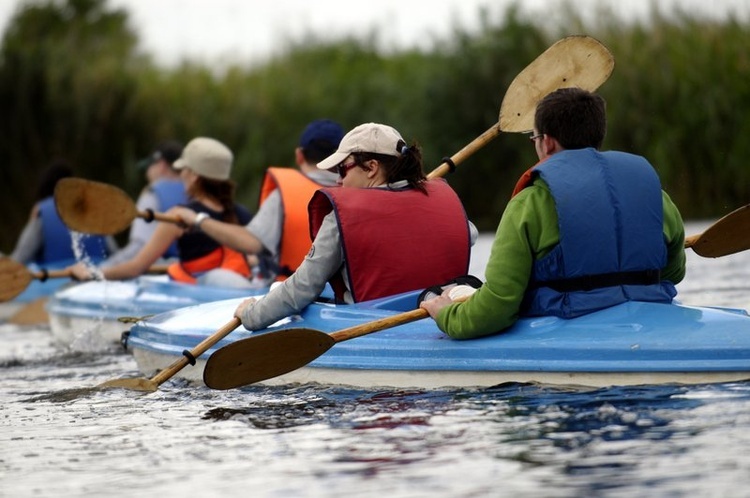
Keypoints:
pixel 206 157
pixel 369 137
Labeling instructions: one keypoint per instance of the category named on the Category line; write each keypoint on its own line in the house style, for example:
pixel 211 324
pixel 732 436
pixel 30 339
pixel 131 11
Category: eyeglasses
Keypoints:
pixel 534 137
pixel 342 169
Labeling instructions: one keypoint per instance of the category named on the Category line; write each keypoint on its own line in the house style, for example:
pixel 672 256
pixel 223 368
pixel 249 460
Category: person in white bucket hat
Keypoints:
pixel 386 230
pixel 205 166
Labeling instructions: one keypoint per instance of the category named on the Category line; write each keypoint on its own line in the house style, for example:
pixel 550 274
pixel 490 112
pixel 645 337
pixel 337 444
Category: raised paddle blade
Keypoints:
pixel 264 356
pixel 14 278
pixel 93 207
pixel 729 235
pixel 574 61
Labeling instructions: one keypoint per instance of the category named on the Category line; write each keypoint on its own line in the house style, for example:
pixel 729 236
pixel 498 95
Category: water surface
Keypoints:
pixel 58 438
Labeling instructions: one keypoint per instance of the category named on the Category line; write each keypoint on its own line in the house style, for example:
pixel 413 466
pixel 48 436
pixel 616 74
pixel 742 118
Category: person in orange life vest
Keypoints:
pixel 205 165
pixel 386 230
pixel 163 191
pixel 584 230
pixel 45 240
pixel 279 233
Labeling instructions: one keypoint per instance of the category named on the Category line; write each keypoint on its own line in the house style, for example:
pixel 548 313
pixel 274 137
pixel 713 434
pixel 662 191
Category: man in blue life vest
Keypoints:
pixel 279 232
pixel 584 230
pixel 163 191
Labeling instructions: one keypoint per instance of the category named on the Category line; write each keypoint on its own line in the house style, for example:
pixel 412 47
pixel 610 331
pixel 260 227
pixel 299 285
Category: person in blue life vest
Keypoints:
pixel 584 230
pixel 278 234
pixel 45 240
pixel 205 166
pixel 164 190
pixel 386 230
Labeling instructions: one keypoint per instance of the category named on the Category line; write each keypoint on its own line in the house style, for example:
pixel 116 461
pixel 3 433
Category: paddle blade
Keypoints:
pixel 14 278
pixel 729 235
pixel 137 384
pixel 574 61
pixel 264 356
pixel 93 207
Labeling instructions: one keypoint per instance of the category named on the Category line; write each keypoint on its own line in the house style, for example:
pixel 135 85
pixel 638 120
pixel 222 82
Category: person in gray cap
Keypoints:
pixel 205 166
pixel 163 191
pixel 278 233
pixel 385 231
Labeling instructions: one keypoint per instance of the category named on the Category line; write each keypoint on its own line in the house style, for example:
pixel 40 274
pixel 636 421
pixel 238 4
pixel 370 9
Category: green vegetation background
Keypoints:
pixel 73 85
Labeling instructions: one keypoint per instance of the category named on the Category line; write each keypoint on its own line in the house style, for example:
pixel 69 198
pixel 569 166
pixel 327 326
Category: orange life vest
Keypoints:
pixel 221 257
pixel 296 190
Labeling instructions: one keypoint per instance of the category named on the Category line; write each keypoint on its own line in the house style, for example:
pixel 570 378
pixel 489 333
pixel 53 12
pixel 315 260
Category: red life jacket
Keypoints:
pixel 221 257
pixel 395 240
pixel 296 190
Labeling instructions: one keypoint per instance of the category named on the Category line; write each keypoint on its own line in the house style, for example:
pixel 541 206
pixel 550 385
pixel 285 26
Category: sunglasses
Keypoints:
pixel 342 169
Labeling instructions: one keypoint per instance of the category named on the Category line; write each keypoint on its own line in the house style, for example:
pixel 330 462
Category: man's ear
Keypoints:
pixel 550 145
pixel 299 158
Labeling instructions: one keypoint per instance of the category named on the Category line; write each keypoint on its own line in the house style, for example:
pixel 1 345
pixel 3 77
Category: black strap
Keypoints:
pixel 590 282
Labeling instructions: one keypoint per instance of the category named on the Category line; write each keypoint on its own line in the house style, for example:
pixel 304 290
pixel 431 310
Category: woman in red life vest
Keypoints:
pixel 386 230
pixel 204 167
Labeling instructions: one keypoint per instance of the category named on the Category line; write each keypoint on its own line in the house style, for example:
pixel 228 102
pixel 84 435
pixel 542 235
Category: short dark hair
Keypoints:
pixel 575 117
pixel 318 149
pixel 55 171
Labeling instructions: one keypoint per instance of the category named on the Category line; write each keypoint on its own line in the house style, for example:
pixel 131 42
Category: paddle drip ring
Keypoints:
pixel 191 359
pixel 149 216
pixel 450 163
pixel 44 275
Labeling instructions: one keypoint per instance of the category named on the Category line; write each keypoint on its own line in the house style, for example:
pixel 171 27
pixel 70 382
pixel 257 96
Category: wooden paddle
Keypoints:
pixel 574 61
pixel 729 235
pixel 15 277
pixel 152 384
pixel 93 207
pixel 271 354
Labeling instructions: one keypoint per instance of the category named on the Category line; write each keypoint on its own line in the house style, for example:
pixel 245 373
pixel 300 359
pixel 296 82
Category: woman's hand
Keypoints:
pixel 187 215
pixel 243 305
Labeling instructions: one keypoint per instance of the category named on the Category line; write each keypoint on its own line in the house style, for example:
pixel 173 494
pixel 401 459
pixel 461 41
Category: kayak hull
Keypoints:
pixel 633 343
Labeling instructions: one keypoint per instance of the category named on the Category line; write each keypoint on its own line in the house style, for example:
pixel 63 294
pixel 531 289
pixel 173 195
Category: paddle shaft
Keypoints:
pixel 46 274
pixel 467 151
pixel 378 325
pixel 150 216
pixel 198 350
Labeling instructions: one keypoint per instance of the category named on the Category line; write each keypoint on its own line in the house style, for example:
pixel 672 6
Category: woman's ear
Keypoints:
pixel 373 168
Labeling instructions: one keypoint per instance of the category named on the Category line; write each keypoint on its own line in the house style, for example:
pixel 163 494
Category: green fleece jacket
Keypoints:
pixel 528 231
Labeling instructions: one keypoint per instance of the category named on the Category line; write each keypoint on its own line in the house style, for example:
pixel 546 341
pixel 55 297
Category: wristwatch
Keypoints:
pixel 199 218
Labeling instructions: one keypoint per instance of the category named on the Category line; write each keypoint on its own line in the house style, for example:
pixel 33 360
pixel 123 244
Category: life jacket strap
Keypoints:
pixel 591 282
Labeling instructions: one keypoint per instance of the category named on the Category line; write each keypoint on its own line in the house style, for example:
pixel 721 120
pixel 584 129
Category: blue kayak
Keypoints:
pixel 97 309
pixel 632 343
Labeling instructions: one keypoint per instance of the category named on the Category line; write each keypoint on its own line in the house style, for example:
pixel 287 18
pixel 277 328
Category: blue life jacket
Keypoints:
pixel 169 193
pixel 611 250
pixel 58 244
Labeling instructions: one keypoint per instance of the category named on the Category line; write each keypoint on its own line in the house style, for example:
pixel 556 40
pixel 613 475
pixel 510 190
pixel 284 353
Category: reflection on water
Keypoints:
pixel 59 436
